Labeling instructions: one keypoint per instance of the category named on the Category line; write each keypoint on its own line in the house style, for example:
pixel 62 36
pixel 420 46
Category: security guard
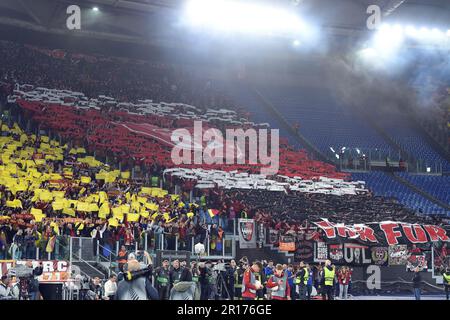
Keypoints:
pixel 238 278
pixel 446 276
pixel 329 273
pixel 301 280
pixel 162 280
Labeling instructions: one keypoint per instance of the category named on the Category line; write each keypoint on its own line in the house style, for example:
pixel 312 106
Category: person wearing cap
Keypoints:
pixel 162 280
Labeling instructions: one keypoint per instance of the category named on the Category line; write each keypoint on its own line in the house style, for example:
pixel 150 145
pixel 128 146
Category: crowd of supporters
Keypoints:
pixel 125 79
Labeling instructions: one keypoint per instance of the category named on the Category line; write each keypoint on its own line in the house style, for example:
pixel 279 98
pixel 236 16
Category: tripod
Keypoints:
pixel 222 286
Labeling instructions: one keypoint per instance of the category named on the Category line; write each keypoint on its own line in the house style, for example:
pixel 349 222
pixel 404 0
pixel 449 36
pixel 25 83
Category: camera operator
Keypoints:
pixel 15 289
pixel 32 281
pixel 206 278
pixel 136 284
pixel 195 274
pixel 185 288
pixel 96 288
pixel 5 288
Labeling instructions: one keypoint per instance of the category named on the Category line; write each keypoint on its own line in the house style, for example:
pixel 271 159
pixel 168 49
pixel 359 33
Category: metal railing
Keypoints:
pixel 89 251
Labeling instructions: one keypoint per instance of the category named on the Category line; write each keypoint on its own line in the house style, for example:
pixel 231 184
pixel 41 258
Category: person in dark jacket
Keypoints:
pixel 33 283
pixel 136 283
pixel 162 280
pixel 417 283
pixel 30 243
pixel 175 273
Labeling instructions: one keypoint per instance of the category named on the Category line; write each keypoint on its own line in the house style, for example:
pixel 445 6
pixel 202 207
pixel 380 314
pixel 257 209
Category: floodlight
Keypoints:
pixel 243 17
pixel 411 31
pixel 95 9
pixel 296 43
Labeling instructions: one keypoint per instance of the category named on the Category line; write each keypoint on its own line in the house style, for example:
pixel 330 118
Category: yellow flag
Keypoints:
pixel 154 215
pixel 69 211
pixel 104 209
pixel 82 206
pixel 190 214
pixel 125 175
pixel 113 222
pixel 93 207
pixel 85 179
pixel 103 196
pixel 35 211
pixel 146 190
pixel 39 217
pixel 133 217
pixel 152 206
pixel 58 204
pixel 166 216
pixel 117 211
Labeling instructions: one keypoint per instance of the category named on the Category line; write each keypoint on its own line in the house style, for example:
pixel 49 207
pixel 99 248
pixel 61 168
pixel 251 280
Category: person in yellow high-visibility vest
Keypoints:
pixel 329 274
pixel 301 280
pixel 446 278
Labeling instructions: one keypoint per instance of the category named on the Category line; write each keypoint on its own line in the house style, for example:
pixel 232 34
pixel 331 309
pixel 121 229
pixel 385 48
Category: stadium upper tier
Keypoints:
pixel 438 186
pixel 132 135
pixel 403 133
pixel 384 185
pixel 322 121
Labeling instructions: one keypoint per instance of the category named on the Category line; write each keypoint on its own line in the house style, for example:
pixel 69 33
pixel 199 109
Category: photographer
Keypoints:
pixel 136 283
pixel 206 277
pixel 5 288
pixel 175 273
pixel 185 288
pixel 96 289
pixel 32 281
pixel 162 279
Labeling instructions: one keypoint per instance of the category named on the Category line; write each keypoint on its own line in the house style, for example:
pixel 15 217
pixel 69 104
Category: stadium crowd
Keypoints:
pixel 94 75
pixel 51 191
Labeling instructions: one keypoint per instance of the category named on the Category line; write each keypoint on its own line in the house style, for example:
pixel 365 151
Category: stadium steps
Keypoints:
pixel 90 270
pixel 274 111
pixel 419 191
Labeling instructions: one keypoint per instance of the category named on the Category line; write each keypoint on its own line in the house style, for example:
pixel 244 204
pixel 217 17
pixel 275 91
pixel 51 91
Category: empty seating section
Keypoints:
pixel 244 97
pixel 401 131
pixel 384 185
pixel 322 121
pixel 437 186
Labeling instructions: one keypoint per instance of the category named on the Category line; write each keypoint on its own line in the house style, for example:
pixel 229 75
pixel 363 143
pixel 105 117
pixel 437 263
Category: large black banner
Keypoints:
pixel 384 233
